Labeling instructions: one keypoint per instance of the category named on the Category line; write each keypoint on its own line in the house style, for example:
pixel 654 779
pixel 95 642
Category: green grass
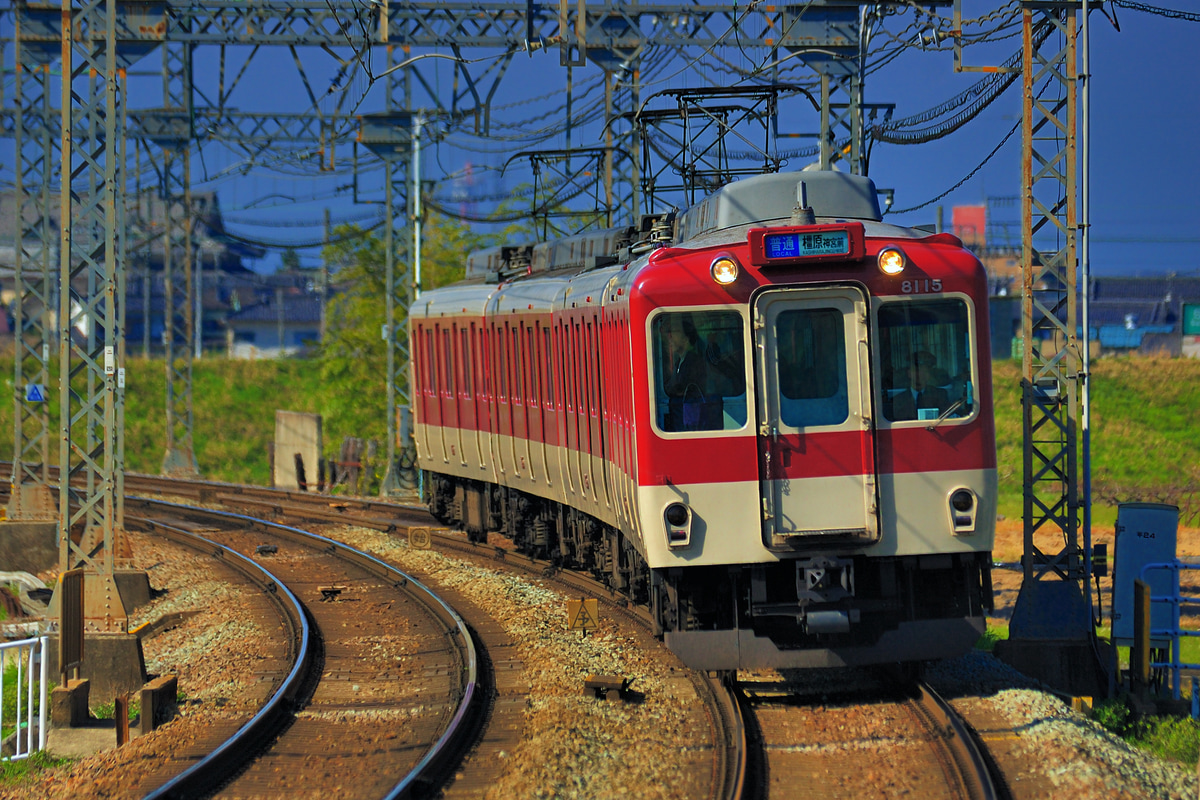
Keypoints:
pixel 14 773
pixel 1145 429
pixel 9 699
pixel 234 404
pixel 109 710
pixel 996 631
pixel 1173 738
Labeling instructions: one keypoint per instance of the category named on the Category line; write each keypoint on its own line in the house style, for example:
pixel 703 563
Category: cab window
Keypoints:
pixel 812 367
pixel 699 365
pixel 925 360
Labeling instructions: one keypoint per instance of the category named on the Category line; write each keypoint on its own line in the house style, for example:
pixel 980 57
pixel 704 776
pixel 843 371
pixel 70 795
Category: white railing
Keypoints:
pixel 29 658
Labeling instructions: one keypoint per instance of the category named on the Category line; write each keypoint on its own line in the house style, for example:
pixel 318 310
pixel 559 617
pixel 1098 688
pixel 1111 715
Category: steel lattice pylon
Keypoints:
pixel 401 289
pixel 35 131
pixel 178 313
pixel 1052 359
pixel 1052 635
pixel 91 369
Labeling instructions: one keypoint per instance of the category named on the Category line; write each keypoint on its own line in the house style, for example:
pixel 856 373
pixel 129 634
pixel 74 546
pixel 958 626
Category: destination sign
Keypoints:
pixel 802 245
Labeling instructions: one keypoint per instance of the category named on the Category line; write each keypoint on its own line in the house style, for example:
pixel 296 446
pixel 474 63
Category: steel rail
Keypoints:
pixel 731 775
pixel 958 744
pixel 720 695
pixel 211 770
pixel 446 747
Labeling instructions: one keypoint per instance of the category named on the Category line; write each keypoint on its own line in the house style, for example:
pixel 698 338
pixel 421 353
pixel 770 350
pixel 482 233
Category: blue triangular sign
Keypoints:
pixel 35 393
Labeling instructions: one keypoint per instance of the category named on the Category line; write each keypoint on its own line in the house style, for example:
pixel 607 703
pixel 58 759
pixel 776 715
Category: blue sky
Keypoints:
pixel 1145 107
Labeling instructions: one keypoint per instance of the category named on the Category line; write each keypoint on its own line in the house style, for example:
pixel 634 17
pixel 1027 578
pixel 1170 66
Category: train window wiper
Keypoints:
pixel 955 407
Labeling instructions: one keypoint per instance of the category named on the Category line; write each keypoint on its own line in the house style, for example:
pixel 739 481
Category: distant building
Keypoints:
pixel 287 324
pixel 969 223
pixel 1143 314
pixel 218 255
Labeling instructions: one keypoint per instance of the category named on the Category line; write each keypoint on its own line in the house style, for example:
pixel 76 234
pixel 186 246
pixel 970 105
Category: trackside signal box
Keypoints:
pixel 1146 534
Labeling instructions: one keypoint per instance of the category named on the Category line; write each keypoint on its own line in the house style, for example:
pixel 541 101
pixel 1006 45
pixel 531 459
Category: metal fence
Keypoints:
pixel 1176 632
pixel 23 693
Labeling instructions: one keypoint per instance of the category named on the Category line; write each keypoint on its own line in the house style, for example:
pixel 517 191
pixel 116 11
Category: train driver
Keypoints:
pixel 924 397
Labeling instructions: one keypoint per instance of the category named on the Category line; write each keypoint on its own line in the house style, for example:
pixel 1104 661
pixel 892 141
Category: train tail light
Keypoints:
pixel 964 508
pixel 678 519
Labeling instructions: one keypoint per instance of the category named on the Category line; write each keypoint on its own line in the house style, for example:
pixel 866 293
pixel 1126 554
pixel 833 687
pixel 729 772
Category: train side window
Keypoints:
pixel 502 364
pixel 811 358
pixel 451 345
pixel 516 361
pixel 699 362
pixel 925 357
pixel 468 363
pixel 548 367
pixel 447 363
pixel 430 364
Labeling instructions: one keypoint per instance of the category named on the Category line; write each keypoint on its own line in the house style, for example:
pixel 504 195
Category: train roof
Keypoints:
pixel 834 195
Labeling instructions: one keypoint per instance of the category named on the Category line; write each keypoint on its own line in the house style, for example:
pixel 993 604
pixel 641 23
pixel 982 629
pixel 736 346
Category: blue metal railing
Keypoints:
pixel 1176 633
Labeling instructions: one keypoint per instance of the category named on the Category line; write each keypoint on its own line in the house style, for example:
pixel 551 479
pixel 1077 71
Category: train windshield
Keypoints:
pixel 925 360
pixel 699 371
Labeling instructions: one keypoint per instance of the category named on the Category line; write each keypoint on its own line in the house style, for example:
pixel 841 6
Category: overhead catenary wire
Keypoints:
pixel 968 176
pixel 1169 13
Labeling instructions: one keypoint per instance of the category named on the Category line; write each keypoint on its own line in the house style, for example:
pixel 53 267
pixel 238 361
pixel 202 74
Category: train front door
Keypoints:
pixel 816 442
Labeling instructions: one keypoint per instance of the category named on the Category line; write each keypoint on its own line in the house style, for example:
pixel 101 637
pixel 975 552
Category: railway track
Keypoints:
pixel 727 745
pixel 383 693
pixel 856 735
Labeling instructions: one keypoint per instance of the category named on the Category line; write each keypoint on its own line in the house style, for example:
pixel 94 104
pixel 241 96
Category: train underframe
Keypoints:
pixel 814 610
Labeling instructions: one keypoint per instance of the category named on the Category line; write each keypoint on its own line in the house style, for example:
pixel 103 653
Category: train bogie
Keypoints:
pixel 776 431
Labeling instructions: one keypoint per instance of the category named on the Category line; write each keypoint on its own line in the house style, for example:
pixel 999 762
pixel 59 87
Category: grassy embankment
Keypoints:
pixel 1145 423
pixel 234 410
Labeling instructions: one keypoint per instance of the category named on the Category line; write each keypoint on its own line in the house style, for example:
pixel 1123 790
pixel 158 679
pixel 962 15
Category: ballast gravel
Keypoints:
pixel 1064 751
pixel 572 746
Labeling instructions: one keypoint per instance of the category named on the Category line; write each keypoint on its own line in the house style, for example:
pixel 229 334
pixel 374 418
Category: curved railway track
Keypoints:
pixel 858 737
pixel 380 648
pixel 728 744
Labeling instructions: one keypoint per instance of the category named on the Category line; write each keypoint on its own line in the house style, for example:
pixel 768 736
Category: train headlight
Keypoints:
pixel 678 519
pixel 724 270
pixel 892 260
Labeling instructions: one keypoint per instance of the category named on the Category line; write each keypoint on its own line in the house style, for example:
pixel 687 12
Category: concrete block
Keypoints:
pixel 69 704
pixel 296 432
pixel 134 588
pixel 1067 665
pixel 112 662
pixel 159 702
pixel 28 546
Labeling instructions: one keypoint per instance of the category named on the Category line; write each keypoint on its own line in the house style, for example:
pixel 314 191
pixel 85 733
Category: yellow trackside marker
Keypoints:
pixel 419 538
pixel 583 614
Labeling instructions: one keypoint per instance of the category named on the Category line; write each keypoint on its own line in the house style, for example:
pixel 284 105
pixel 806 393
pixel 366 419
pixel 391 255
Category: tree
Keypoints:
pixel 353 356
pixel 290 259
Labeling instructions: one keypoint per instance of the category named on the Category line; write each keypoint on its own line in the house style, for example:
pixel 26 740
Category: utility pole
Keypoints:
pixel 1052 634
pixel 324 289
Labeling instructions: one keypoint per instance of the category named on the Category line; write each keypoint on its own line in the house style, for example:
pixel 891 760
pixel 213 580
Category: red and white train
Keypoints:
pixel 768 418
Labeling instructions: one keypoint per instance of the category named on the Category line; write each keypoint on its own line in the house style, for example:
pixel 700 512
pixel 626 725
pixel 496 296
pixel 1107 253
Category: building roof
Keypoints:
pixel 297 310
pixel 145 218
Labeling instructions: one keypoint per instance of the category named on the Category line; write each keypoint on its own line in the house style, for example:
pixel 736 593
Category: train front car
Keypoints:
pixel 815 456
